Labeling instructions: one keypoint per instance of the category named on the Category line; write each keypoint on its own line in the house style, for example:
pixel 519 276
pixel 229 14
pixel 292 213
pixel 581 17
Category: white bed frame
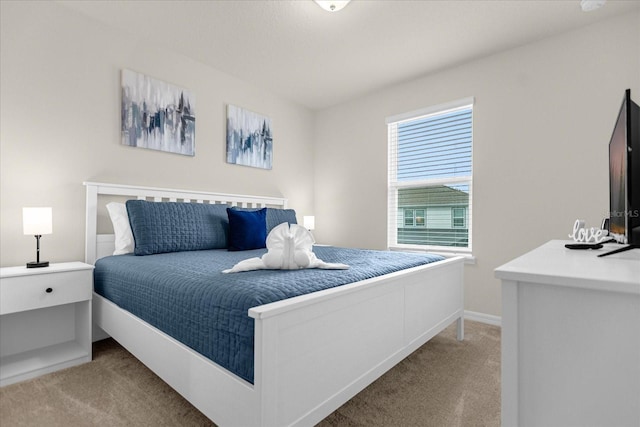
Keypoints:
pixel 312 353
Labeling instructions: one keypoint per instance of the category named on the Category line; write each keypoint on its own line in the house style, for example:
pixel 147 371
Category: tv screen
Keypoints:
pixel 618 178
pixel 624 177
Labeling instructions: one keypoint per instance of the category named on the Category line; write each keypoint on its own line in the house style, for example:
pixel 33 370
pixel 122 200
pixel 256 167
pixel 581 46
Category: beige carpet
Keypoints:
pixel 443 383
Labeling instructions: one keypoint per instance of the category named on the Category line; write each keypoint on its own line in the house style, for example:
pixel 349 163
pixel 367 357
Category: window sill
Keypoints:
pixel 469 258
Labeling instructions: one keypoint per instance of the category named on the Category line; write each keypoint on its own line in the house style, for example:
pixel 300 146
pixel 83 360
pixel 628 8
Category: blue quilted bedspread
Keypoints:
pixel 185 295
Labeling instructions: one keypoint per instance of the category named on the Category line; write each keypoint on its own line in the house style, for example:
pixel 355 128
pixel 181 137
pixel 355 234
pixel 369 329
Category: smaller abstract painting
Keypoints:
pixel 249 138
pixel 157 115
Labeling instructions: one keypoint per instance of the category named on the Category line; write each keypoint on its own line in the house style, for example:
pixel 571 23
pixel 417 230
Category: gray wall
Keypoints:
pixel 60 81
pixel 542 120
pixel 543 116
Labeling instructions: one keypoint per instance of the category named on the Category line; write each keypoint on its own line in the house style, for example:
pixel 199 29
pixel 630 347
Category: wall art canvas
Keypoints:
pixel 249 138
pixel 157 115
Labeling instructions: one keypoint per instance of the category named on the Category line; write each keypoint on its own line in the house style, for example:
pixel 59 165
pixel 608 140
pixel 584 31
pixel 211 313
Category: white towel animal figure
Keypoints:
pixel 289 248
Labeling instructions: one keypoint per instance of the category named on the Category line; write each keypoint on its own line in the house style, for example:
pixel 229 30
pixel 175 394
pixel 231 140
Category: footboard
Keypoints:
pixel 313 353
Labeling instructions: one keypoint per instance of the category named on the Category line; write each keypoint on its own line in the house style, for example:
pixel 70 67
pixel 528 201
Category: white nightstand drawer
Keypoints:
pixel 20 293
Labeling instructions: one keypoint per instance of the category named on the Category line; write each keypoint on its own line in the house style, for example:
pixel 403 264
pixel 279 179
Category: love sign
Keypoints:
pixel 590 235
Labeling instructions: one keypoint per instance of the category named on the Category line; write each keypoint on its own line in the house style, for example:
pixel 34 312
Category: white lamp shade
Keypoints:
pixel 37 221
pixel 309 222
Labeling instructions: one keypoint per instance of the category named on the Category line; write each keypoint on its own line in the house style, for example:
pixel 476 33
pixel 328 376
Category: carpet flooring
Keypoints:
pixel 443 383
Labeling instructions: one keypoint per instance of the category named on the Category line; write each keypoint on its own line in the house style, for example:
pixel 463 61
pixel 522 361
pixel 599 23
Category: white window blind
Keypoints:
pixel 430 174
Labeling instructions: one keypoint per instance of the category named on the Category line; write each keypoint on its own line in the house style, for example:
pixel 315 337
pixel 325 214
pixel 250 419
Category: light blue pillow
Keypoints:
pixel 174 227
pixel 276 217
pixel 247 229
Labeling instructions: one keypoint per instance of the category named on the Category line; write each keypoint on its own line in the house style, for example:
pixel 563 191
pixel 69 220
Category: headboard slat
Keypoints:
pixel 96 189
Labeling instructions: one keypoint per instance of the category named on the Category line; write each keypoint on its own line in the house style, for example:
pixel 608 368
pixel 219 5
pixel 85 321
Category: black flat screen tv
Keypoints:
pixel 624 177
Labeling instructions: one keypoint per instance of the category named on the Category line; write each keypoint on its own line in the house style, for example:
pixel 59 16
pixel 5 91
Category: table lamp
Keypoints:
pixel 37 221
pixel 309 222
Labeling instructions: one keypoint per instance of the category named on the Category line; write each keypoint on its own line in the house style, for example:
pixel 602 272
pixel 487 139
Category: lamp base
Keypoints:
pixel 34 264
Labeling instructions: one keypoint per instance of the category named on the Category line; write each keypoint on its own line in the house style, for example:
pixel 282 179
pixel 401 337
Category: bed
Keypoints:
pixel 311 352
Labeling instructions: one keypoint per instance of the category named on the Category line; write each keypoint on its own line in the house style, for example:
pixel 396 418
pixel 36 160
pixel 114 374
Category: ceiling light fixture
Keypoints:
pixel 332 5
pixel 589 5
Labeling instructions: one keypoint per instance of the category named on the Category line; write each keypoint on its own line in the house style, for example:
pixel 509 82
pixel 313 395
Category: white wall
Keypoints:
pixel 60 121
pixel 542 121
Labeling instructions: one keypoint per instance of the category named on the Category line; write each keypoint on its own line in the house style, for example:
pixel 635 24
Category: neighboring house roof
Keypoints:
pixel 432 196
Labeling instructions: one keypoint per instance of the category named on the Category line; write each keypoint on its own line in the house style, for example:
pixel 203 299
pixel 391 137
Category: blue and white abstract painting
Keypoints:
pixel 249 138
pixel 157 115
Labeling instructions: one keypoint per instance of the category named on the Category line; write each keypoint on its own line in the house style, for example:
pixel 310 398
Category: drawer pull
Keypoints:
pixel 49 290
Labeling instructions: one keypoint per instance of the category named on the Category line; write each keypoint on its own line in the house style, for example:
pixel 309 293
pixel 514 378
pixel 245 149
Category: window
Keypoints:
pixel 458 217
pixel 430 177
pixel 413 217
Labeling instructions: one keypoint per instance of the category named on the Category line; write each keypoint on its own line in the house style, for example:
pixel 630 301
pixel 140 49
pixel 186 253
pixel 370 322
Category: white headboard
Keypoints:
pixel 99 245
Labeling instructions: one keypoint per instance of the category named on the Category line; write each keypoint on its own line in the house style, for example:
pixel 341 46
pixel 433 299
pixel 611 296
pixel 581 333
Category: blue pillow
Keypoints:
pixel 275 216
pixel 247 229
pixel 173 227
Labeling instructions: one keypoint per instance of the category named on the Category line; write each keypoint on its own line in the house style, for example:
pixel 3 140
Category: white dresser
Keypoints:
pixel 571 338
pixel 45 319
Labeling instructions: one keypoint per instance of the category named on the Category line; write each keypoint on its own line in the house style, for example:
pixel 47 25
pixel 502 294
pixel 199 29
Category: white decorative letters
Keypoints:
pixel 591 235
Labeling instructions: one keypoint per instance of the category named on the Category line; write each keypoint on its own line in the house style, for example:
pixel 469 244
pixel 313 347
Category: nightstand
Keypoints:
pixel 45 319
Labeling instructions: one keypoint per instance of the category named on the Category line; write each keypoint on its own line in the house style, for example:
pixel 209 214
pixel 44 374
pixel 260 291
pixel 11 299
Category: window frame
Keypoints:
pixel 394 185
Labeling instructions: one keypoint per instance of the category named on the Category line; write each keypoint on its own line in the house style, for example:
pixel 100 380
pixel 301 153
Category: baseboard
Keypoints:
pixel 489 319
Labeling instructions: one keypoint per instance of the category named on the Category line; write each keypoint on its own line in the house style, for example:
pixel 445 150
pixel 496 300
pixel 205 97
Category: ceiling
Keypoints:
pixel 319 59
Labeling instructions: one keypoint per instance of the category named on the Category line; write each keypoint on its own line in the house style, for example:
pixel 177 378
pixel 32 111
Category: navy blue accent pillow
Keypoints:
pixel 247 229
pixel 275 216
pixel 160 227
